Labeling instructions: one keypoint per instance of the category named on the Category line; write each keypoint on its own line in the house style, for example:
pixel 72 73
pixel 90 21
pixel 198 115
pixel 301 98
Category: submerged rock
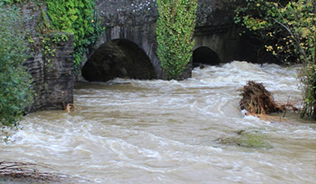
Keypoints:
pixel 247 138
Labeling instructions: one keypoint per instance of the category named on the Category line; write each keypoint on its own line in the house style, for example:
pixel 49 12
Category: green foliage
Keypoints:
pixel 174 31
pixel 12 1
pixel 289 29
pixel 15 83
pixel 76 17
pixel 49 43
pixel 71 16
pixel 248 139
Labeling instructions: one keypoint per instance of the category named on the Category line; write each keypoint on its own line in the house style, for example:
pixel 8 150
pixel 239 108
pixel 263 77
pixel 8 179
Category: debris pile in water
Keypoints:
pixel 256 99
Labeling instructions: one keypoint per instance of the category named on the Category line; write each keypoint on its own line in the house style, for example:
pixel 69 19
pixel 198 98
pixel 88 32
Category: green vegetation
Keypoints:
pixel 288 29
pixel 15 82
pixel 63 17
pixel 249 139
pixel 174 31
pixel 76 17
pixel 71 16
pixel 12 1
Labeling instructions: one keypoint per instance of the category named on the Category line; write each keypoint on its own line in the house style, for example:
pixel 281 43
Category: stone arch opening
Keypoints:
pixel 205 55
pixel 118 58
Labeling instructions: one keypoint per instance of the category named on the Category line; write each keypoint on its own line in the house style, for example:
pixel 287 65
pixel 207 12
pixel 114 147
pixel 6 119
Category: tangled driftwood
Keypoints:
pixel 256 99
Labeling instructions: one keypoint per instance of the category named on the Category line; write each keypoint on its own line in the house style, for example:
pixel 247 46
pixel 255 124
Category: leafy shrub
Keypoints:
pixel 15 82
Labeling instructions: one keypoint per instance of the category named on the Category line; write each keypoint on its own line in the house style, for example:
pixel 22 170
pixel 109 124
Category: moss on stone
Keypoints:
pixel 249 139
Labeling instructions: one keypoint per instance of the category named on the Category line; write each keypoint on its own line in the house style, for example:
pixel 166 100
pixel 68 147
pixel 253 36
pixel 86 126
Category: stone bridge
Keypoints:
pixel 128 46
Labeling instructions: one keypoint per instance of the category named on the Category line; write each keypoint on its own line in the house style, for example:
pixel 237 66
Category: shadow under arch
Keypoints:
pixel 118 58
pixel 205 55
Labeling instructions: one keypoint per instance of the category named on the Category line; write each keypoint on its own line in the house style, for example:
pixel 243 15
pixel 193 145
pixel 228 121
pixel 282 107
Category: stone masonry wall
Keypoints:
pixel 215 29
pixel 133 20
pixel 53 80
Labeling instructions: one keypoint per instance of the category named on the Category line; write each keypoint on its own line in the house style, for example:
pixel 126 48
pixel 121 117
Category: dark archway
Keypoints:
pixel 118 58
pixel 205 55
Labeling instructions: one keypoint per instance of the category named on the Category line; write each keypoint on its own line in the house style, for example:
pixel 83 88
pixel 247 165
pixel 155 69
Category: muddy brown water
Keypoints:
pixel 132 131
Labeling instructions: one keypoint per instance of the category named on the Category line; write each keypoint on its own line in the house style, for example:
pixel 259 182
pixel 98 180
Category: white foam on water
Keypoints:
pixel 141 131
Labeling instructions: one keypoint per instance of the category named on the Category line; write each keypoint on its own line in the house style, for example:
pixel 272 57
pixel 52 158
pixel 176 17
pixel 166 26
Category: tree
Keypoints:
pixel 15 82
pixel 289 30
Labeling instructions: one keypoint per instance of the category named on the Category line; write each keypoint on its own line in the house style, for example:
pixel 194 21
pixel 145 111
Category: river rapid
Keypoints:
pixel 167 132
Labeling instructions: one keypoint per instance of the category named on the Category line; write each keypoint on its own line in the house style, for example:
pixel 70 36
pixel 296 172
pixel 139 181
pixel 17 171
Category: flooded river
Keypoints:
pixel 167 132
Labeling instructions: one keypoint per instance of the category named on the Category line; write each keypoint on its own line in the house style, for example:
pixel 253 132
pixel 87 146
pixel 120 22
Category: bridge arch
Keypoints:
pixel 118 58
pixel 205 55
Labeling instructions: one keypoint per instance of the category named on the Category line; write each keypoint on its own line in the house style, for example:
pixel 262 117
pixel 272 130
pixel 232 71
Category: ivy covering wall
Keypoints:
pixel 175 27
pixel 77 17
pixel 53 21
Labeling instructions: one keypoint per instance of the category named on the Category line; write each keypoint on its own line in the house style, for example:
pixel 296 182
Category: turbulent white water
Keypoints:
pixel 131 131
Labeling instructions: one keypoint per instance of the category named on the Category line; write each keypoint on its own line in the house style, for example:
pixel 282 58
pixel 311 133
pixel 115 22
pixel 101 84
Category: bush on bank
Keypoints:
pixel 77 17
pixel 15 82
